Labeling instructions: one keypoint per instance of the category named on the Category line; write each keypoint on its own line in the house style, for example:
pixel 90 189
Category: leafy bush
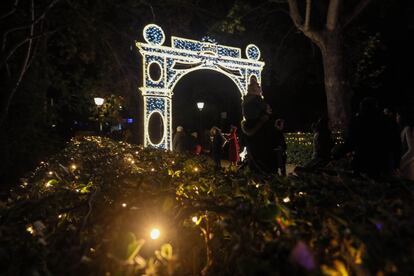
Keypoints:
pixel 89 210
pixel 299 147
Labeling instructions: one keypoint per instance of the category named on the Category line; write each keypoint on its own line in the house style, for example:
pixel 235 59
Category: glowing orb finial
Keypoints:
pixel 252 52
pixel 153 34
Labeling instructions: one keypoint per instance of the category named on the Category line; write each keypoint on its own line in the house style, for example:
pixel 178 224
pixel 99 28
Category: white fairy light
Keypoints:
pixel 286 199
pixel 155 233
pixel 243 154
pixel 183 57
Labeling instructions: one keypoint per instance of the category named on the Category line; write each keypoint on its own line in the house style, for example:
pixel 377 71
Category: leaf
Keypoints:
pixel 167 251
pixel 134 246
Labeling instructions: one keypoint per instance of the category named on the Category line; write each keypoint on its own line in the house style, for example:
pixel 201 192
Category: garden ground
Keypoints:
pixel 90 210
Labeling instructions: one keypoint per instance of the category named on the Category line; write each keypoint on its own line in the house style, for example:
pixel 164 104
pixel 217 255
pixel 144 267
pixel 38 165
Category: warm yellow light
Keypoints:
pixel 30 229
pixel 155 233
pixel 50 172
pixel 194 219
pixel 98 101
pixel 60 216
pixel 196 169
pixel 73 167
pixel 124 205
pixel 286 199
pixel 152 169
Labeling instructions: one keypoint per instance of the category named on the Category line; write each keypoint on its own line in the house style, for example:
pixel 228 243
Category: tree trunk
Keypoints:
pixel 337 87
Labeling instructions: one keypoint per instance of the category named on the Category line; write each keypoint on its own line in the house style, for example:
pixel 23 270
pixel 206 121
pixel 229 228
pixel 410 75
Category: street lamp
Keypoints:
pixel 99 102
pixel 200 105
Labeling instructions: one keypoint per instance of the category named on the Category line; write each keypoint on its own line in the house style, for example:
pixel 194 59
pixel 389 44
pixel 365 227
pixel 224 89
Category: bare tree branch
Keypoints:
pixel 355 13
pixel 295 14
pixel 13 9
pixel 308 14
pixel 297 19
pixel 151 8
pixel 23 69
pixel 32 23
pixel 332 15
pixel 23 42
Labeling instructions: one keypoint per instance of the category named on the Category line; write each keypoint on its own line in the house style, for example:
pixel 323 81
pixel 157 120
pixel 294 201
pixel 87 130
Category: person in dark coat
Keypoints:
pixel 394 143
pixel 280 147
pixel 257 129
pixel 195 146
pixel 180 140
pixel 369 139
pixel 322 144
pixel 217 144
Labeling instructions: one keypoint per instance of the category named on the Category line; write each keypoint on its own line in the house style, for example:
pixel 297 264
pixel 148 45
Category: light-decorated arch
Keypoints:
pixel 182 57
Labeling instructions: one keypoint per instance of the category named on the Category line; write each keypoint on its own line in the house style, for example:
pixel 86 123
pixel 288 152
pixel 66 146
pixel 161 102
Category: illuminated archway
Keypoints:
pixel 185 56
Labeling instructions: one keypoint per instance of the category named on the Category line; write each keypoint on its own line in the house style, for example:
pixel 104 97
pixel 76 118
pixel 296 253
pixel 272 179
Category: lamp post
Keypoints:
pixel 99 102
pixel 200 106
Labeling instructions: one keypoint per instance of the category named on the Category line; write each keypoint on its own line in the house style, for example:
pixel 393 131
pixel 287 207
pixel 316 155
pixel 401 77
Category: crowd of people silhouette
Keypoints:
pixel 377 144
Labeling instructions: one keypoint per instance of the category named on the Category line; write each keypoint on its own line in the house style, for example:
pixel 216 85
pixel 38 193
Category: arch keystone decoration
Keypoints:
pixel 182 57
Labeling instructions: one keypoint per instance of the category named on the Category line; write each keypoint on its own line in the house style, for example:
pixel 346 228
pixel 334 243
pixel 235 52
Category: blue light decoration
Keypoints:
pixel 252 52
pixel 208 39
pixel 130 121
pixel 184 56
pixel 154 35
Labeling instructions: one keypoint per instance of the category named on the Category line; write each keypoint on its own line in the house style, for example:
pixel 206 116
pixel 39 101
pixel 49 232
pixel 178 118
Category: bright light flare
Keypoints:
pixel 155 233
pixel 98 101
pixel 286 199
pixel 194 219
pixel 30 229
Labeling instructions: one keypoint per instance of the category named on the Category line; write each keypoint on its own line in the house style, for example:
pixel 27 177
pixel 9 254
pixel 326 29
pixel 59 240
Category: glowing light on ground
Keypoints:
pixel 286 199
pixel 155 233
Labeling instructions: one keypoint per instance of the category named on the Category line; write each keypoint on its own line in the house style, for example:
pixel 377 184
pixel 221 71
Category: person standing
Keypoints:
pixel 234 147
pixel 322 144
pixel 407 159
pixel 195 146
pixel 257 129
pixel 217 144
pixel 280 147
pixel 368 140
pixel 180 140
